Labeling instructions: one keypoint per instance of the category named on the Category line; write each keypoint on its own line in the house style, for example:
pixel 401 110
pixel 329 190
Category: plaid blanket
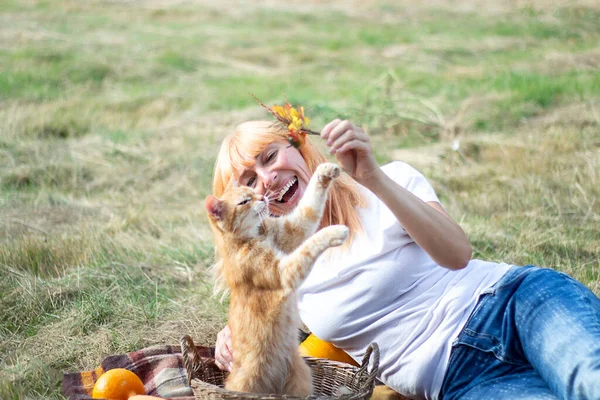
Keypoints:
pixel 160 368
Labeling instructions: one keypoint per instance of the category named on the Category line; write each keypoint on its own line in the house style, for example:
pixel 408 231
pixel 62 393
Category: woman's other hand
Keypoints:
pixel 224 350
pixel 352 149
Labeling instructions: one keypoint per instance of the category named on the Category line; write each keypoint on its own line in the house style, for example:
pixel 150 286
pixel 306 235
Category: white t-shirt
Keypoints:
pixel 386 289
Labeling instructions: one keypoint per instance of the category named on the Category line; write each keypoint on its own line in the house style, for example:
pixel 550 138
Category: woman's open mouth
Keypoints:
pixel 288 192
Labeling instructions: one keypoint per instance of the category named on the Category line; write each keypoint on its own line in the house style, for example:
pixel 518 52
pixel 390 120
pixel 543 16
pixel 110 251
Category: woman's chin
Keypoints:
pixel 282 209
pixel 293 202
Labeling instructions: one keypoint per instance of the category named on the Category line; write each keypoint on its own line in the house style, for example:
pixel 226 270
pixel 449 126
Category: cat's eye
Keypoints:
pixel 245 201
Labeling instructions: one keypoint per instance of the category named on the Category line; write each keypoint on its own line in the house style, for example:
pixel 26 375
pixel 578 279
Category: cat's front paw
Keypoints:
pixel 326 172
pixel 339 233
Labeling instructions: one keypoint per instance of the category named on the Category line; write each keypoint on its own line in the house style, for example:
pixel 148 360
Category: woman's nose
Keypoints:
pixel 266 178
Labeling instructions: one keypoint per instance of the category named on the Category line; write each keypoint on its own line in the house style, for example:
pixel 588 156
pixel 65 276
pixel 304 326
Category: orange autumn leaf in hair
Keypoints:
pixel 293 119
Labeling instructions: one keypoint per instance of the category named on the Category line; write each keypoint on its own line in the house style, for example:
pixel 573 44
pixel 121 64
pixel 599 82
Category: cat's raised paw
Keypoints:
pixel 327 172
pixel 339 233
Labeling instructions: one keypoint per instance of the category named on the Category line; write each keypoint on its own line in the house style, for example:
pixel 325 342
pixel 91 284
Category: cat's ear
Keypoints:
pixel 214 206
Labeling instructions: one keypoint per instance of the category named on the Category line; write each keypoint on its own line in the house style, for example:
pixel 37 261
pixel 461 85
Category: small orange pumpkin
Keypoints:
pixel 315 347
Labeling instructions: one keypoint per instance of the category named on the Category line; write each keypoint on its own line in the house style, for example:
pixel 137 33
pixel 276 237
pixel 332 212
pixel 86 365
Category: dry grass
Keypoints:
pixel 111 114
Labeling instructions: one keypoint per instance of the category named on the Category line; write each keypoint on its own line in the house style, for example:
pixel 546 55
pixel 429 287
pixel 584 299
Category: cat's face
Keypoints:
pixel 240 211
pixel 281 173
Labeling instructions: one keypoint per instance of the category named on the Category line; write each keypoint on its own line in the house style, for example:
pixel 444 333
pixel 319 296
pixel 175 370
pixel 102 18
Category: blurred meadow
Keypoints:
pixel 111 114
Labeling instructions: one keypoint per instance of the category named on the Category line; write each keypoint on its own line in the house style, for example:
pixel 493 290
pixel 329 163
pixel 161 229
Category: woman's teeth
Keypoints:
pixel 286 188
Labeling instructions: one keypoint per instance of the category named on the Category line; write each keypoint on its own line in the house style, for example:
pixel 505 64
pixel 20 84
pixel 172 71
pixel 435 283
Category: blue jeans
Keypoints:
pixel 535 334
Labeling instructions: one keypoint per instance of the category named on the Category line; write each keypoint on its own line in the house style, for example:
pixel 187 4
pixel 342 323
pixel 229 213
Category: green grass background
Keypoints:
pixel 111 114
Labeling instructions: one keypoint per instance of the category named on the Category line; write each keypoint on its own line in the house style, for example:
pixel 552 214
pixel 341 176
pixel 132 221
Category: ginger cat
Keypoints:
pixel 263 260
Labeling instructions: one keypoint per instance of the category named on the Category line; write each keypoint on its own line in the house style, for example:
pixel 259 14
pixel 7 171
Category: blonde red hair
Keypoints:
pixel 240 149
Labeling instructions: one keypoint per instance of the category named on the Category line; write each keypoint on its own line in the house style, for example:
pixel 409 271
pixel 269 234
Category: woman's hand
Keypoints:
pixel 224 350
pixel 352 149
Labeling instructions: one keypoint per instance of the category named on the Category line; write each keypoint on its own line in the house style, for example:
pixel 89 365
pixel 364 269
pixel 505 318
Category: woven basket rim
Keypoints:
pixel 207 390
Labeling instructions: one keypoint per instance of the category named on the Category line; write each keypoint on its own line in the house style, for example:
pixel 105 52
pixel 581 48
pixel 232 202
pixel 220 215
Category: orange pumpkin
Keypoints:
pixel 315 347
pixel 117 384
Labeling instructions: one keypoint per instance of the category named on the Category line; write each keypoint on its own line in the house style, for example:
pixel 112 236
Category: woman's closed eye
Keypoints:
pixel 267 158
pixel 270 156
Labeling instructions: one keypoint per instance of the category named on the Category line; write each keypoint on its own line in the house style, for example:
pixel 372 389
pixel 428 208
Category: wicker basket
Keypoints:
pixel 207 380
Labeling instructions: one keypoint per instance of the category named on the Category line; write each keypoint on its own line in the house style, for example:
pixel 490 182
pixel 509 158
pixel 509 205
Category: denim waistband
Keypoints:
pixel 513 275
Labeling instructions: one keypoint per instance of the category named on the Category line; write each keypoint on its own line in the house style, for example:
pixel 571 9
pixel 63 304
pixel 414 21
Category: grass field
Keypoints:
pixel 111 113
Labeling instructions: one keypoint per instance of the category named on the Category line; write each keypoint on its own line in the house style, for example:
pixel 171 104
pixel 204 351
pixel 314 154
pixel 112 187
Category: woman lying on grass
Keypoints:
pixel 448 327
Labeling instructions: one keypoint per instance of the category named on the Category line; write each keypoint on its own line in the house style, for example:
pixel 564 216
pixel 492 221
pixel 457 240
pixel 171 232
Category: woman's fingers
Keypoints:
pixel 337 131
pixel 327 128
pixel 352 148
pixel 223 350
pixel 221 363
pixel 349 135
pixel 353 144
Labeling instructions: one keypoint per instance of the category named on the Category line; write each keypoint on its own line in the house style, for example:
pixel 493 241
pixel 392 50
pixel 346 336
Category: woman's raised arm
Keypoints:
pixel 427 223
